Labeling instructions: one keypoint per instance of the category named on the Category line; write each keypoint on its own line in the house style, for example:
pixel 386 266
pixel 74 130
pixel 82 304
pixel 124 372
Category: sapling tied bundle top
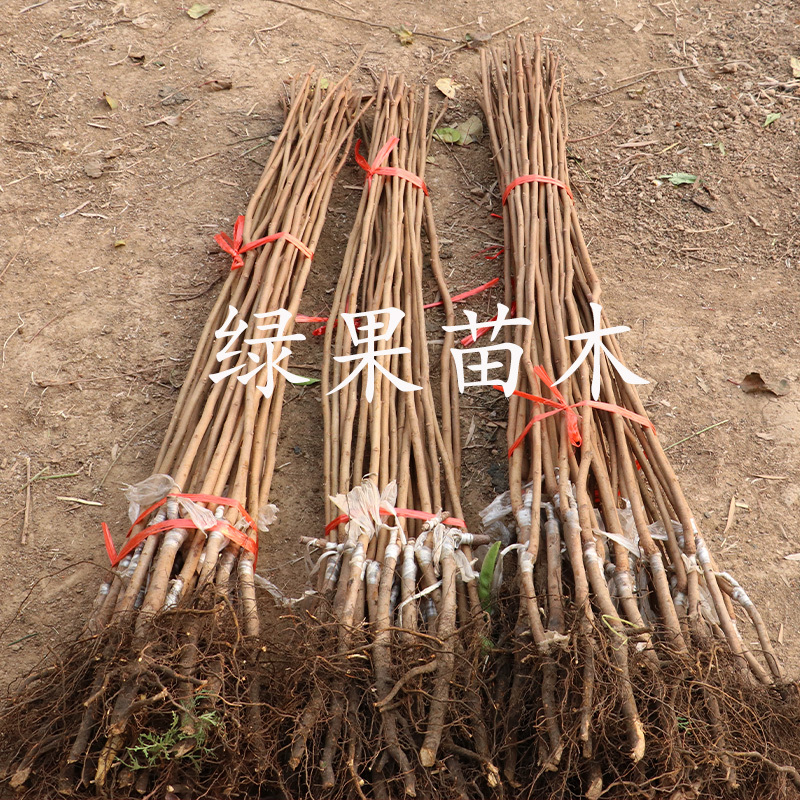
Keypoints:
pixel 639 668
pixel 162 689
pixel 387 693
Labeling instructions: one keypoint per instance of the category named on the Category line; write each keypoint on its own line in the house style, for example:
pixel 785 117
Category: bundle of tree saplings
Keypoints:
pixel 638 667
pixel 162 689
pixel 386 702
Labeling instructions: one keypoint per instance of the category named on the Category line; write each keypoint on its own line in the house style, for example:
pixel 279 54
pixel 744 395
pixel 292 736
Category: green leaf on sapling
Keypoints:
pixel 485 578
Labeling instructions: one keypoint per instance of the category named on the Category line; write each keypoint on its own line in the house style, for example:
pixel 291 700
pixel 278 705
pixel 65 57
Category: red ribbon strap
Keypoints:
pixel 304 318
pixel 235 248
pixel 409 513
pixel 560 404
pixel 493 251
pixel 321 330
pixel 535 179
pixel 234 534
pixel 376 168
pixel 464 295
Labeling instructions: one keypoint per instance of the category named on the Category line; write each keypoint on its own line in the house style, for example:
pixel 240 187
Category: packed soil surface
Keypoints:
pixel 132 133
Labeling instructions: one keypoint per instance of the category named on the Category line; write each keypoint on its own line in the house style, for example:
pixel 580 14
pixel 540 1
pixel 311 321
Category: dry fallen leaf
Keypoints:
pixel 404 35
pixel 171 121
pixel 172 96
pixel 19 777
pixel 182 748
pixel 793 557
pixel 471 129
pixel 112 103
pixel 753 383
pixel 199 10
pixel 448 87
pixel 94 169
pixel 218 85
pixel 795 64
pixel 477 39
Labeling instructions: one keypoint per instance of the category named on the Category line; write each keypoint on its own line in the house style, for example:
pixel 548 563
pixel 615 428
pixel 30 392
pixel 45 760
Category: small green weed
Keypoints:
pixel 152 749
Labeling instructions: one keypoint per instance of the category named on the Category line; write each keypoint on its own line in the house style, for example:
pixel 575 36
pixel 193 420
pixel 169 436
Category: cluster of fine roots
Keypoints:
pixel 125 718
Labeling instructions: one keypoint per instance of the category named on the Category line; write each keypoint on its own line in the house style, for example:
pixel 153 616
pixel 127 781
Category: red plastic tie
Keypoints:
pixel 317 331
pixel 235 248
pixel 376 169
pixel 492 252
pixel 560 404
pixel 464 295
pixel 304 318
pixel 535 179
pixel 225 527
pixel 408 513
pixel 321 330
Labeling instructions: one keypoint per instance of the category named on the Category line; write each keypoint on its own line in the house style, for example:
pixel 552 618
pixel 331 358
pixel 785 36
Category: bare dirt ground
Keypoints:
pixel 108 267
